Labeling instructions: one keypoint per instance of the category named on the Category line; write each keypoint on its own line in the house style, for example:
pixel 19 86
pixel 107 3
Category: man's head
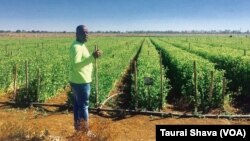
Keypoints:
pixel 81 33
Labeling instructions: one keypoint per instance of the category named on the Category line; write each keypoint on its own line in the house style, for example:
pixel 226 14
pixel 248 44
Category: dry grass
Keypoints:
pixel 227 105
pixel 14 131
pixel 101 129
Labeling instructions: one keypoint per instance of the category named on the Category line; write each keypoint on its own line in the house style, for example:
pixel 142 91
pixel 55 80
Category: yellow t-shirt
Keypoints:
pixel 80 64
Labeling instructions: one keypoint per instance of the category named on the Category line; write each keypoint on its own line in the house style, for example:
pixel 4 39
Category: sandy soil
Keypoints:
pixel 46 123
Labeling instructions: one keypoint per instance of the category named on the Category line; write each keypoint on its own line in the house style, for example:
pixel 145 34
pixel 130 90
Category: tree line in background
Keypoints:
pixel 31 31
pixel 140 32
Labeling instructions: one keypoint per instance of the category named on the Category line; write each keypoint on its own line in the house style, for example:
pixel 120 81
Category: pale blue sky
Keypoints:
pixel 123 15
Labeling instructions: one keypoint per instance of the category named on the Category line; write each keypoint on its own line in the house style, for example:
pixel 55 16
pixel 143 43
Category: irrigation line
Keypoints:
pixel 106 100
pixel 169 114
pixel 154 113
pixel 35 104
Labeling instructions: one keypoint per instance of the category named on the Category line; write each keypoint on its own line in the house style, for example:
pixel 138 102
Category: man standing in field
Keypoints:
pixel 80 78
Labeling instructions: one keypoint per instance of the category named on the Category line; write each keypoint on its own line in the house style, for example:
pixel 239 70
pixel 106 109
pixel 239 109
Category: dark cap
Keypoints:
pixel 81 29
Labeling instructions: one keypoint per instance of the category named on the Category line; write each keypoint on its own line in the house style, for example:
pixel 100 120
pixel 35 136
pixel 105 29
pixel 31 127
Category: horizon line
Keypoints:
pixel 96 31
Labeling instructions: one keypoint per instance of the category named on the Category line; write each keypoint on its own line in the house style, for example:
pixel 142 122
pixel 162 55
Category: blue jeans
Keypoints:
pixel 81 94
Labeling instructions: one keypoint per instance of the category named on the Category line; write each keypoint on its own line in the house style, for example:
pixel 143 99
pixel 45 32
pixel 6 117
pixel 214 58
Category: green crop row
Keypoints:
pixel 240 42
pixel 152 86
pixel 236 66
pixel 50 57
pixel 181 73
pixel 112 66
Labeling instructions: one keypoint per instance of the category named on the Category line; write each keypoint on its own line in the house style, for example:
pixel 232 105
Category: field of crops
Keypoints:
pixel 199 71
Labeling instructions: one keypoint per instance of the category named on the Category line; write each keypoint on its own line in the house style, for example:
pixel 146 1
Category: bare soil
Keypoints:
pixel 47 123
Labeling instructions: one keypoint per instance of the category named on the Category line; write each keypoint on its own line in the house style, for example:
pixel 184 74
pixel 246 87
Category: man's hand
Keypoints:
pixel 97 53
